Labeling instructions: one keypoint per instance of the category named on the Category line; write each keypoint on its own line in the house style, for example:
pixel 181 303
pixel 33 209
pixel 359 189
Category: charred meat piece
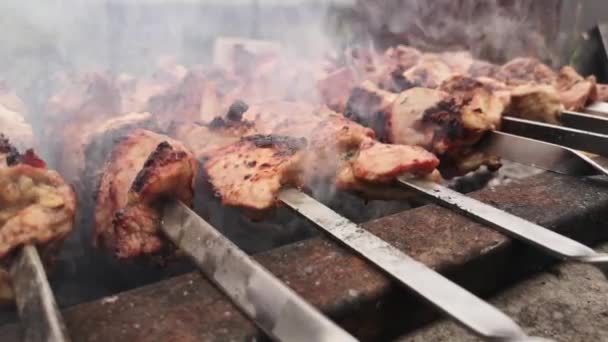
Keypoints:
pixel 144 169
pixel 203 138
pixel 482 105
pixel 334 88
pixel 376 162
pixel 535 102
pixel 573 90
pixel 446 122
pixel 430 71
pixel 36 207
pixel 74 145
pixel 201 96
pixel 368 105
pixel 521 71
pixel 249 173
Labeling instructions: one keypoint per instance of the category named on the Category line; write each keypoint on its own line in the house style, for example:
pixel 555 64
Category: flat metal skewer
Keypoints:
pixel 539 154
pixel 565 136
pixel 473 313
pixel 514 226
pixel 585 122
pixel 598 108
pixel 274 307
pixel 38 311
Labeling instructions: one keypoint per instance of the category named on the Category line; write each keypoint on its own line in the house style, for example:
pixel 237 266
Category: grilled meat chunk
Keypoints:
pixel 203 139
pixel 249 174
pixel 535 102
pixel 429 72
pixel 376 162
pixel 541 94
pixel 88 141
pixel 573 90
pixel 522 70
pixel 446 122
pixel 36 206
pixel 144 168
pixel 602 93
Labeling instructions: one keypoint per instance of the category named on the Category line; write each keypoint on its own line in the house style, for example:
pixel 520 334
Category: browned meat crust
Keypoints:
pixel 602 92
pixel 249 174
pixel 36 205
pixel 381 163
pixel 144 169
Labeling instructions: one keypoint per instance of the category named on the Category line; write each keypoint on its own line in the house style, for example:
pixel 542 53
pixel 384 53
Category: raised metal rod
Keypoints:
pixel 272 306
pixel 38 311
pixel 514 226
pixel 539 154
pixel 472 312
pixel 585 122
pixel 569 137
pixel 598 108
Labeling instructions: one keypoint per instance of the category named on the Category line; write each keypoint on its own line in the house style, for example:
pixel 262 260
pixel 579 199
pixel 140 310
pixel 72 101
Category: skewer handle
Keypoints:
pixel 38 311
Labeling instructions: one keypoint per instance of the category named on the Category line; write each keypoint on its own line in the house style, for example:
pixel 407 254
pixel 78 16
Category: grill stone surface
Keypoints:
pixel 567 303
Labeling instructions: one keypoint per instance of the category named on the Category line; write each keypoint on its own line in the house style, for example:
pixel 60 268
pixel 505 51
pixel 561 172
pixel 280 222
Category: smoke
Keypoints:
pixel 496 30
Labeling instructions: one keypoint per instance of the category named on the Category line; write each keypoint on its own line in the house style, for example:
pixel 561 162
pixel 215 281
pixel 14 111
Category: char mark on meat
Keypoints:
pixel 144 169
pixel 236 110
pixel 285 145
pixel 362 107
pixel 446 114
pixel 11 154
pixel 162 156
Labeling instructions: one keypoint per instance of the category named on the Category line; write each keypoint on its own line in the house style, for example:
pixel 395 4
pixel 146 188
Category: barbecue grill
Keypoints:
pixel 359 276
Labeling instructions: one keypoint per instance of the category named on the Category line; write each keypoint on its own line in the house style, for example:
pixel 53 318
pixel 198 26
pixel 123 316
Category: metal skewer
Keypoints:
pixel 547 240
pixel 569 137
pixel 38 311
pixel 585 122
pixel 598 108
pixel 473 313
pixel 273 306
pixel 540 154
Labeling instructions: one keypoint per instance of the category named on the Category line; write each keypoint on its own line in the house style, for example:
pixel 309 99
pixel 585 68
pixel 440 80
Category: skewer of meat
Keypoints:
pixel 37 210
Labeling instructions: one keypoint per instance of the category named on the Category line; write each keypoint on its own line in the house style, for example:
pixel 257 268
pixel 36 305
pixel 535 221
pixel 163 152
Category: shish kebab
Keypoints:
pixel 147 187
pixel 430 110
pixel 36 208
pixel 167 172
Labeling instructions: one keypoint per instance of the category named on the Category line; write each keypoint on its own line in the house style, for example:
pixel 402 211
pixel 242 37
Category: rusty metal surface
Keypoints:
pixel 188 308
